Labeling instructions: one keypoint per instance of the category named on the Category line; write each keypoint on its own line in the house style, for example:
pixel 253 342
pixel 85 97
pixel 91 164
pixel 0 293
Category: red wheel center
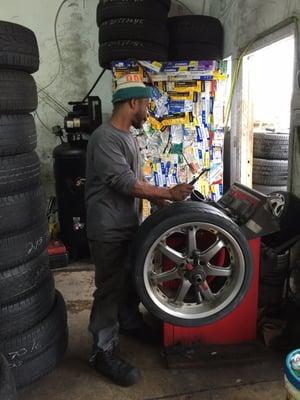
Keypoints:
pixel 189 267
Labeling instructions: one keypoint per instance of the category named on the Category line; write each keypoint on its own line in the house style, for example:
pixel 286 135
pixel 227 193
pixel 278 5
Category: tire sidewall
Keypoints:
pixel 145 244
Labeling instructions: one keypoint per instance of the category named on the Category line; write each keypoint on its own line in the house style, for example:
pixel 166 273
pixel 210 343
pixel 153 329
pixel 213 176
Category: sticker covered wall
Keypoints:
pixel 184 132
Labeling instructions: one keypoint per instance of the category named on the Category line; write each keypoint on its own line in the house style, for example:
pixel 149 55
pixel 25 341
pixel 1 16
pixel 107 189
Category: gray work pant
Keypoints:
pixel 115 298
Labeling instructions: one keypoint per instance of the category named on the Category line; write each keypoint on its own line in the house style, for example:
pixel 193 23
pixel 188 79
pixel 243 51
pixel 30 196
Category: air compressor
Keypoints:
pixel 69 173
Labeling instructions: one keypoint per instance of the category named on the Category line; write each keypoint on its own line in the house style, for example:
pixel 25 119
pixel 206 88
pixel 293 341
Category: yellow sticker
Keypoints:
pixel 186 95
pixel 190 86
pixel 155 124
pixel 218 76
pixel 178 119
pixel 206 159
pixel 157 64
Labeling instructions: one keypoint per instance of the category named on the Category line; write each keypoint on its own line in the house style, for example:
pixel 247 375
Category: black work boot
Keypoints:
pixel 119 371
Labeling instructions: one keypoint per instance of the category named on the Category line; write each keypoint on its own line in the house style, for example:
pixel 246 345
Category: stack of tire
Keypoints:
pixel 7 384
pixel 195 37
pixel 132 30
pixel 273 273
pixel 270 162
pixel 33 328
pixel 275 250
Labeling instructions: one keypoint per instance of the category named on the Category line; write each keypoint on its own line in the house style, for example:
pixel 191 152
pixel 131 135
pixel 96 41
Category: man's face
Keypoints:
pixel 139 115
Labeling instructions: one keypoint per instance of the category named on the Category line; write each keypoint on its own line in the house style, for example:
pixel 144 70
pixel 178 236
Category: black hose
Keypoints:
pixel 94 85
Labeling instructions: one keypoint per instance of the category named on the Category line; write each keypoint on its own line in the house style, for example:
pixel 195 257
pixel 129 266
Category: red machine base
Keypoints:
pixel 237 327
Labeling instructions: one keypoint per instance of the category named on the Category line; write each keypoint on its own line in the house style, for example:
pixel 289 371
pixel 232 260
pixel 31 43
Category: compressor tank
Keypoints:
pixel 69 173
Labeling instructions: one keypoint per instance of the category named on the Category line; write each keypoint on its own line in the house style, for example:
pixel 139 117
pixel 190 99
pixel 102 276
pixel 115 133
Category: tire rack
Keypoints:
pixel 270 162
pixel 33 330
pixel 137 31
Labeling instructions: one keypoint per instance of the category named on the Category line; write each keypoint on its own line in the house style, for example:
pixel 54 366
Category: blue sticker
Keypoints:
pixel 199 134
pixel 176 107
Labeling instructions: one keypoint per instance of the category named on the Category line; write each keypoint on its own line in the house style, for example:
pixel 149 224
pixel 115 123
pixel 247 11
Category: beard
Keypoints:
pixel 138 121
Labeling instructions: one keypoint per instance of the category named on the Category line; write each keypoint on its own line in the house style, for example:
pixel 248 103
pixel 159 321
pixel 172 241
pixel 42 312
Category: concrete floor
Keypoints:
pixel 74 379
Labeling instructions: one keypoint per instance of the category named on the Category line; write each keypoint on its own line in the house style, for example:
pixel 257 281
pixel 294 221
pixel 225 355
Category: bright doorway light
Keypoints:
pixel 271 79
pixel 268 75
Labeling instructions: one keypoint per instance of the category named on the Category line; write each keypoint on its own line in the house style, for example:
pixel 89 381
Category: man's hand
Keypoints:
pixel 144 190
pixel 181 192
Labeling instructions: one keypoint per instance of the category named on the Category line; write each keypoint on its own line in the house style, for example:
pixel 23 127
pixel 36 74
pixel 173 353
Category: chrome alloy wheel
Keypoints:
pixel 277 203
pixel 203 275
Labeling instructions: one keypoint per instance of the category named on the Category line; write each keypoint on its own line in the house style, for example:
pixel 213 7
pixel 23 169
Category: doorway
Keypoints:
pixel 267 86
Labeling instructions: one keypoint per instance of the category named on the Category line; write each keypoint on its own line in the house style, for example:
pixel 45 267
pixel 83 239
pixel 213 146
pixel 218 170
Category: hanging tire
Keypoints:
pixel 130 50
pixel 22 247
pixel 37 351
pixel 271 146
pixel 18 281
pixel 156 10
pixel 18 48
pixel 18 93
pixel 133 29
pixel 17 134
pixel 30 310
pixel 28 209
pixel 268 189
pixel 195 29
pixel 19 173
pixel 7 383
pixel 195 51
pixel 287 208
pixel 270 172
pixel 168 280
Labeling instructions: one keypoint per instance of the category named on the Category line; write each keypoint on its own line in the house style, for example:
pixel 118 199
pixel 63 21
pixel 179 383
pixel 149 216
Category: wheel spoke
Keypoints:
pixel 208 254
pixel 172 254
pixel 182 291
pixel 192 240
pixel 213 270
pixel 165 276
pixel 206 292
pixel 199 298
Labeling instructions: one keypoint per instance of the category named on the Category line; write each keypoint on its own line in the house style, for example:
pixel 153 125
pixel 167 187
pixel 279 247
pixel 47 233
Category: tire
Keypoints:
pixel 18 93
pixel 208 218
pixel 17 134
pixel 24 246
pixel 30 310
pixel 195 29
pixel 44 364
pixel 133 29
pixel 28 209
pixel 18 48
pixel 268 189
pixel 270 172
pixel 270 296
pixel 273 267
pixel 19 173
pixel 271 146
pixel 38 344
pixel 7 383
pixel 289 213
pixel 130 50
pixel 155 10
pixel 195 51
pixel 18 281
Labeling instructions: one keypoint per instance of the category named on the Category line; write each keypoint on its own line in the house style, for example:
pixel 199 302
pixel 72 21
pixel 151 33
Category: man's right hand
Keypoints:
pixel 181 192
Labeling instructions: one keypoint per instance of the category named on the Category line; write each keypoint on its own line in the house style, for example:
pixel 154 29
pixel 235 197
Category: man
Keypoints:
pixel 114 187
